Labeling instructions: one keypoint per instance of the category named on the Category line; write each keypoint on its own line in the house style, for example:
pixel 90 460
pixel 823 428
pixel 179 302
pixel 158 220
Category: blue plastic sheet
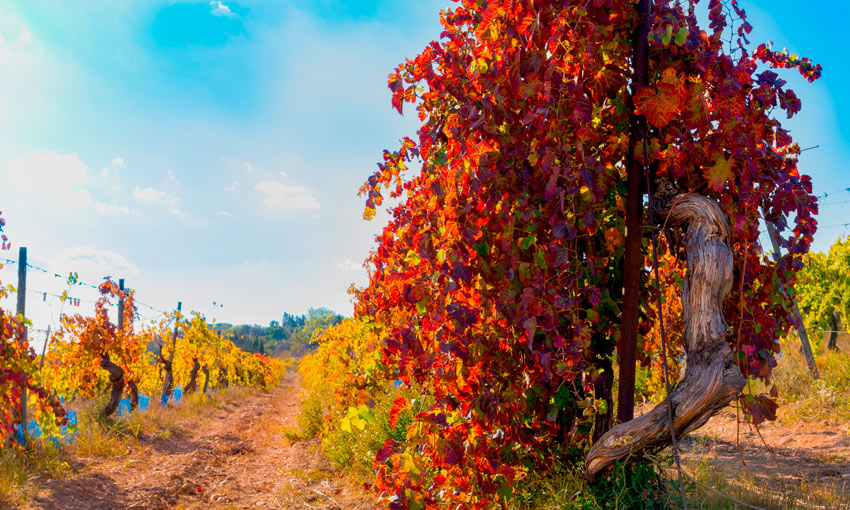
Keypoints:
pixel 19 435
pixel 67 432
pixel 33 429
pixel 123 407
pixel 177 394
pixel 144 403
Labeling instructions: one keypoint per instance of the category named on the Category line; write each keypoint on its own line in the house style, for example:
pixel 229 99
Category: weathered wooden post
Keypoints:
pixel 633 257
pixel 21 311
pixel 801 329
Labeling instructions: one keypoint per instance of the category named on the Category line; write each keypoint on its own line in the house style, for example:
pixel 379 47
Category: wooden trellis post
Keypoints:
pixel 801 329
pixel 21 311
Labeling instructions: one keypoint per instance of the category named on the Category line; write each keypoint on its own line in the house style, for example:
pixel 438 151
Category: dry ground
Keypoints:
pixel 799 458
pixel 235 457
pixel 238 456
pixel 802 460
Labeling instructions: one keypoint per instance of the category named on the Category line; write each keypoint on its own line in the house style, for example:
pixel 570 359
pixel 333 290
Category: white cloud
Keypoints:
pixel 282 197
pixel 172 176
pixel 349 265
pixel 224 213
pixel 117 163
pixel 283 174
pixel 54 179
pixel 26 35
pixel 248 167
pixel 105 209
pixel 232 187
pixel 220 9
pixel 85 259
pixel 151 195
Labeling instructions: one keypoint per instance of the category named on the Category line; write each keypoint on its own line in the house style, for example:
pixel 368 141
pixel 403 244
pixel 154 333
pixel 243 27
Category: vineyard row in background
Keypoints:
pixel 90 356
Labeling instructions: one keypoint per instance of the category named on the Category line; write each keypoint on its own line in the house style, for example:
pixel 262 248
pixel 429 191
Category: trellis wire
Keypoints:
pixel 675 443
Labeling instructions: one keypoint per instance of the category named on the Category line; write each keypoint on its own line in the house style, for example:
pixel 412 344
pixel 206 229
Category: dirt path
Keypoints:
pixel 796 455
pixel 237 457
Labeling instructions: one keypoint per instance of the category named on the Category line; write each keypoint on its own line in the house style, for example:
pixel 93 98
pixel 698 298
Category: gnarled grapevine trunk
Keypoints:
pixel 133 390
pixel 206 371
pixel 834 327
pixel 711 378
pixel 116 377
pixel 168 380
pixel 192 385
pixel 223 382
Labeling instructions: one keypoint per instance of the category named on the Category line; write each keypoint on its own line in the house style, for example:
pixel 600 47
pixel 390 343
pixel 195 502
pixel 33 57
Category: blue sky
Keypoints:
pixel 212 151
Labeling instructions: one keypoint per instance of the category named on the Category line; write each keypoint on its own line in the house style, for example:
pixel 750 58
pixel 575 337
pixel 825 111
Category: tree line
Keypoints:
pixel 291 336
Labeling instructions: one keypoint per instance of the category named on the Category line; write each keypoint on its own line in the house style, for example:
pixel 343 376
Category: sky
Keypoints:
pixel 210 152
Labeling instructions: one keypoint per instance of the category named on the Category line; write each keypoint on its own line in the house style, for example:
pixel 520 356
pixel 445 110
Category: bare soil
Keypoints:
pixel 236 457
pixel 781 458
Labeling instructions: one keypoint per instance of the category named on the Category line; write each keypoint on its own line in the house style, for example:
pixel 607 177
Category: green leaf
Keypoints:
pixel 528 241
pixel 540 259
pixel 681 36
pixel 666 37
pixel 365 413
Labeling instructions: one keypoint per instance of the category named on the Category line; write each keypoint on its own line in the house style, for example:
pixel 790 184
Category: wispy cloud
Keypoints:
pixel 232 187
pixel 56 179
pixel 349 265
pixel 105 209
pixel 82 258
pixel 283 197
pixel 218 8
pixel 224 213
pixel 117 163
pixel 151 195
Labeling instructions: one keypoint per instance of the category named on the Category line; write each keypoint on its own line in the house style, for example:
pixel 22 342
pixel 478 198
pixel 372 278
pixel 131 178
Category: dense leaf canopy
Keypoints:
pixel 499 275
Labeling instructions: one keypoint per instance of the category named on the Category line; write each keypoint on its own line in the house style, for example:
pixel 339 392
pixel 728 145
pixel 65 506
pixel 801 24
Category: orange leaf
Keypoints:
pixel 719 172
pixel 659 106
pixel 613 239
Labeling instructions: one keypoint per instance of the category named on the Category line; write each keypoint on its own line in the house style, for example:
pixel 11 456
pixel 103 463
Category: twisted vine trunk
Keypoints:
pixel 168 380
pixel 712 379
pixel 834 326
pixel 134 394
pixel 116 377
pixel 192 385
pixel 206 372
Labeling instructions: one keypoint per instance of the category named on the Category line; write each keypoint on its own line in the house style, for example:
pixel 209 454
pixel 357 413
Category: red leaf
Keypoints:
pixel 399 405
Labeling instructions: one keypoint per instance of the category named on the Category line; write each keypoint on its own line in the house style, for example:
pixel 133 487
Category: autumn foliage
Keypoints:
pixel 19 369
pixel 498 277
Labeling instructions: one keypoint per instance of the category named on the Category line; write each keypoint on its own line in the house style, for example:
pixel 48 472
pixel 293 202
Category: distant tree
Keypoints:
pixel 318 319
pixel 275 331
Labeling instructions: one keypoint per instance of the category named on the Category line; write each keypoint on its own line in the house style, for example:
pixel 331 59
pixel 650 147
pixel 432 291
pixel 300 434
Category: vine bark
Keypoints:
pixel 712 378
pixel 116 377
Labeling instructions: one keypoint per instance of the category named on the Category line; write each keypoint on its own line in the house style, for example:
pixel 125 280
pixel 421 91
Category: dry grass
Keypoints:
pixel 801 398
pixel 103 438
pixel 716 489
